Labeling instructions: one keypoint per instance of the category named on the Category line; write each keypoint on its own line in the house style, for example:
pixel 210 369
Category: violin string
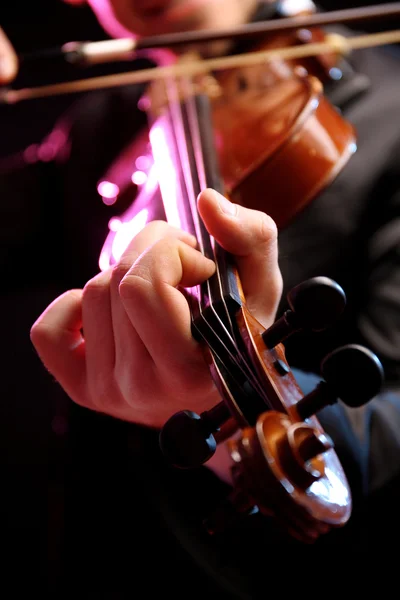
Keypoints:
pixel 180 135
pixel 189 95
pixel 203 184
pixel 334 43
pixel 216 295
pixel 227 344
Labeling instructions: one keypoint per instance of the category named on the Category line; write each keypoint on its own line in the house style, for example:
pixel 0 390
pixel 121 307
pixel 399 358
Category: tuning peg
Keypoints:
pixel 314 304
pixel 187 439
pixel 352 373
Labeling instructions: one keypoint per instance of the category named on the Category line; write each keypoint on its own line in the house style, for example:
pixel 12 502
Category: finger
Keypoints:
pixel 128 343
pixel 157 310
pixel 149 235
pixel 252 237
pixel 56 336
pixel 8 60
pixel 98 327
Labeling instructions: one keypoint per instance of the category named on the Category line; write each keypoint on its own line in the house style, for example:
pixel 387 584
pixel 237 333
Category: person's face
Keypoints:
pixel 153 17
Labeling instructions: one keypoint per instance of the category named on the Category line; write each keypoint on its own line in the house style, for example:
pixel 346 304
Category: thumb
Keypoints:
pixel 8 60
pixel 252 237
pixel 57 338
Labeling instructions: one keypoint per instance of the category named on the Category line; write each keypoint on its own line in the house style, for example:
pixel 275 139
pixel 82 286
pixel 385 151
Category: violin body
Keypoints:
pixel 279 147
pixel 279 141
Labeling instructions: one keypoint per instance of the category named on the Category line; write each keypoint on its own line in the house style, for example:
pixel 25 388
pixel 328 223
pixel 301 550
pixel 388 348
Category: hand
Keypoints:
pixel 136 359
pixel 8 60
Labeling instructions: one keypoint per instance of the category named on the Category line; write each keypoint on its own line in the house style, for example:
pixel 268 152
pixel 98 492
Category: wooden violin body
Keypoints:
pixel 278 140
pixel 279 145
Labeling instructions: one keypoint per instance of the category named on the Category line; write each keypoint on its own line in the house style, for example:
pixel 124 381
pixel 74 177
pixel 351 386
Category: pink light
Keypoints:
pixel 139 177
pixel 166 173
pixel 47 151
pixel 58 137
pixel 108 191
pixel 104 260
pixel 143 163
pixel 144 103
pixel 114 224
pixel 122 235
pixel 123 228
pixel 31 153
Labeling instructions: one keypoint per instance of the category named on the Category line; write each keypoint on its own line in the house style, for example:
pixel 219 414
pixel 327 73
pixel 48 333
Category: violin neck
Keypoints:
pixel 182 140
pixel 184 150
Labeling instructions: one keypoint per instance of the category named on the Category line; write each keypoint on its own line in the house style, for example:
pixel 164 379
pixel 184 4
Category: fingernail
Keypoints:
pixel 226 206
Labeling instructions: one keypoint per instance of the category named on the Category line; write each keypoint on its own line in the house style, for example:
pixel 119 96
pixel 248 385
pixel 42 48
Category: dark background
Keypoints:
pixel 36 25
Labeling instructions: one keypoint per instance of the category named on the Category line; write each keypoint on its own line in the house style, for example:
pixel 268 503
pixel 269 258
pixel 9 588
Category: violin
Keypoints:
pixel 263 134
pixel 267 138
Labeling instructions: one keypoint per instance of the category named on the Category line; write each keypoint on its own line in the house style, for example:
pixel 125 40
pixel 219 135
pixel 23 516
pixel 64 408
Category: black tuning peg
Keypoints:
pixel 187 440
pixel 314 304
pixel 352 373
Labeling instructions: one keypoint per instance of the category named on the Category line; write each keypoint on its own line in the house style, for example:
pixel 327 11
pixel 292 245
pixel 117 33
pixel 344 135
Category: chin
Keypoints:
pixel 122 18
pixel 155 18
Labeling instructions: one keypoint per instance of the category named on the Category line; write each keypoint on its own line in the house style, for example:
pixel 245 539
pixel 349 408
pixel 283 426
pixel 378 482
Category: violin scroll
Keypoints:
pixel 283 462
pixel 279 464
pixel 280 468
